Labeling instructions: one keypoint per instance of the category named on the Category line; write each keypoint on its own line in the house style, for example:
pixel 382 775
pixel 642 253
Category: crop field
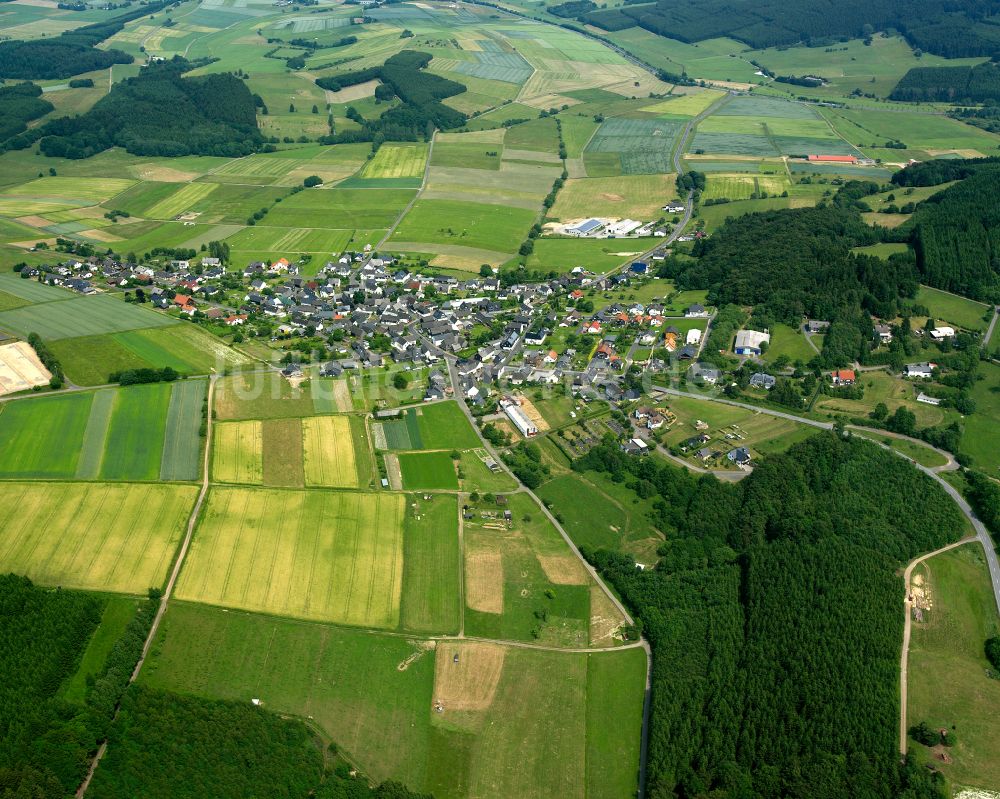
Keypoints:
pixel 282 445
pixel 82 316
pixel 686 105
pixel 330 556
pixel 181 200
pixel 584 708
pixel 468 154
pixel 431 598
pixel 428 470
pixel 37 436
pixel 948 682
pixel 934 135
pixel 633 196
pixel 68 190
pixel 106 537
pixel 340 208
pixel 643 145
pixel 515 184
pixel 495 228
pixel 260 395
pixel 329 452
pixel 134 447
pixel 397 161
pixel 964 313
pixel 237 456
pixel 182 444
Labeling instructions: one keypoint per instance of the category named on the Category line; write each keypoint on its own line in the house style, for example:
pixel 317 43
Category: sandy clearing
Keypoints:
pixel 484 579
pixel 20 368
pixel 351 93
pixel 466 675
pixel 605 620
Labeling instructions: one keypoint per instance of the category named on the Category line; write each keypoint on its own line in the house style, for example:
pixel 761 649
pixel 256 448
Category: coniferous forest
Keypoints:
pixel 968 85
pixel 775 620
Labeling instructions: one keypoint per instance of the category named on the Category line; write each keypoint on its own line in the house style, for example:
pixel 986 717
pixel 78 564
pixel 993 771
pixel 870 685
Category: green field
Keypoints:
pixel 948 682
pixel 260 395
pixel 397 161
pixel 580 738
pixel 107 537
pixel 489 227
pixel 309 554
pixel 978 437
pixel 629 196
pixel 134 446
pixel 431 600
pixel 959 311
pixel 477 477
pixel 41 437
pixel 81 316
pixel 790 343
pixel 428 470
pixel 442 425
pixel 118 612
pixel 182 444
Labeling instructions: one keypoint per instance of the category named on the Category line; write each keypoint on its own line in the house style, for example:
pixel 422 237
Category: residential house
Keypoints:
pixel 843 377
pixel 762 380
pixel 921 370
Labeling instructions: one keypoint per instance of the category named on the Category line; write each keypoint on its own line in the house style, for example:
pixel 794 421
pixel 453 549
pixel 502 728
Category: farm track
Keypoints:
pixel 185 544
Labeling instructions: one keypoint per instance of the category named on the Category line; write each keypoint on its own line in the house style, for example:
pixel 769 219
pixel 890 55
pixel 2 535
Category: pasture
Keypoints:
pixel 442 425
pixel 978 437
pixel 496 228
pixel 629 196
pixel 99 536
pixel 948 682
pixel 960 311
pixel 318 555
pixel 431 599
pixel 517 722
pixel 428 470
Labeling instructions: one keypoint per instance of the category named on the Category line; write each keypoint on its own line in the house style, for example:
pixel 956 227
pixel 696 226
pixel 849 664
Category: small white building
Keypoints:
pixel 521 421
pixel 623 228
pixel 693 336
pixel 923 370
pixel 941 333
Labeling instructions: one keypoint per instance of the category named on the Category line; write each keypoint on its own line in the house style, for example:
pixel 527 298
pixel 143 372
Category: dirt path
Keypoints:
pixel 908 614
pixel 192 521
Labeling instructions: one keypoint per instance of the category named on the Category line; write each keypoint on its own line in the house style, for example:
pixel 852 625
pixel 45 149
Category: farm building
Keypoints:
pixel 586 228
pixel 750 342
pixel 521 421
pixel 928 400
pixel 623 227
pixel 941 333
pixel 833 159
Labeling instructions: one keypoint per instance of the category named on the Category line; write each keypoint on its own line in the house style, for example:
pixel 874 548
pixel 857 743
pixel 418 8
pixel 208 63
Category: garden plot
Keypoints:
pixel 20 368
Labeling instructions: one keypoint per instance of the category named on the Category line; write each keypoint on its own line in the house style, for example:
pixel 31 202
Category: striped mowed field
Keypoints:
pixel 117 537
pixel 327 556
pixel 238 453
pixel 329 452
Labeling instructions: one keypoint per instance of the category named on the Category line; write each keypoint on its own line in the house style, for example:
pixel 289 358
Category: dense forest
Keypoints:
pixel 775 620
pixel 957 29
pixel 956 234
pixel 959 85
pixel 44 741
pixel 421 92
pixel 159 112
pixel 183 747
pixel 19 105
pixel 71 53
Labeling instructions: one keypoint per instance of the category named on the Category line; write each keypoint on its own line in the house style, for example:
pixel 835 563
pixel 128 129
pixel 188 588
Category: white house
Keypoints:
pixel 923 370
pixel 693 336
pixel 940 333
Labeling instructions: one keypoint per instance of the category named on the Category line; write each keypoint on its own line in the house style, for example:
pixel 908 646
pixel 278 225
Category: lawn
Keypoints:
pixel 955 310
pixel 134 445
pixel 319 555
pixel 488 227
pixel 428 470
pixel 442 425
pixel 477 477
pixel 100 536
pixel 629 196
pixel 788 342
pixel 81 316
pixel 948 683
pixel 515 723
pixel 431 599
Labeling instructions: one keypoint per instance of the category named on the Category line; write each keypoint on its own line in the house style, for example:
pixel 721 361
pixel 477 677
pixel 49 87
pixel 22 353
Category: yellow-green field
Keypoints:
pixel 107 537
pixel 238 454
pixel 636 196
pixel 329 452
pixel 329 556
pixel 181 200
pixel 397 161
pixel 687 104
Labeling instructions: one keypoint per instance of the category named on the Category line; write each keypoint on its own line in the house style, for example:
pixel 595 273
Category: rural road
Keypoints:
pixel 192 520
pixel 908 615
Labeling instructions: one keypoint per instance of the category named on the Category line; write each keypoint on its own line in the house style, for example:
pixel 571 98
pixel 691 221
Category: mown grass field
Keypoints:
pixel 948 684
pixel 534 724
pixel 428 470
pixel 81 316
pixel 101 536
pixel 959 311
pixel 634 196
pixel 489 227
pixel 442 425
pixel 431 598
pixel 329 556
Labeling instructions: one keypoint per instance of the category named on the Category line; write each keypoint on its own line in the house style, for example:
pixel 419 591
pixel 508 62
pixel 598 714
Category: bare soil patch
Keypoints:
pixel 563 569
pixel 605 620
pixel 484 579
pixel 466 675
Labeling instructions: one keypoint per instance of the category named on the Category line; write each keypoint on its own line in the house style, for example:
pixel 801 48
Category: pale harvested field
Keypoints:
pixel 563 569
pixel 484 579
pixel 20 368
pixel 238 455
pixel 327 556
pixel 329 452
pixel 116 537
pixel 471 683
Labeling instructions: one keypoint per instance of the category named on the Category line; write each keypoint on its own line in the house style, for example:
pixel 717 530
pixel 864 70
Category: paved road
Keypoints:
pixel 904 658
pixel 993 323
pixel 192 520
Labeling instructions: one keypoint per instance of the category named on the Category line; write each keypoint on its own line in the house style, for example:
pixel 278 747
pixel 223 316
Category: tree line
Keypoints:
pixel 958 85
pixel 774 618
